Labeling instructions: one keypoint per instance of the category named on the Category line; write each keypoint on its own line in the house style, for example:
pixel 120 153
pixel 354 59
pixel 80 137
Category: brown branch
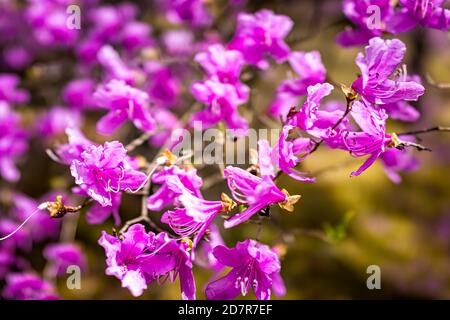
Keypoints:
pixel 138 141
pixel 439 85
pixel 432 129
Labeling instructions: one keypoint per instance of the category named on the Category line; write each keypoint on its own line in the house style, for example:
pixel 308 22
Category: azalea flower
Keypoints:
pixel 106 169
pixel 402 110
pixel 78 94
pixel 192 12
pixel 372 140
pixel 139 258
pixel 165 196
pixel 254 266
pixel 136 35
pixel 56 120
pixel 124 103
pixel 28 286
pixel 362 15
pixel 196 214
pixel 261 34
pixel 255 192
pixel 205 254
pixel 428 13
pixel 9 91
pixel 48 23
pixel 225 66
pixel 164 87
pixel 308 65
pixel 77 143
pixel 378 65
pixel 283 155
pixel 13 142
pixel 63 255
pixel 114 66
pixel 222 101
pixel 315 120
pixel 395 161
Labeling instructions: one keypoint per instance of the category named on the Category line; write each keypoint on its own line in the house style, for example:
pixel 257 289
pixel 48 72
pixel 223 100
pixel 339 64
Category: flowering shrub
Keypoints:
pixel 145 92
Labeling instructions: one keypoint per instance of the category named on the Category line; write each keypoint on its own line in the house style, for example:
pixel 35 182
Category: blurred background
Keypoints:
pixel 340 226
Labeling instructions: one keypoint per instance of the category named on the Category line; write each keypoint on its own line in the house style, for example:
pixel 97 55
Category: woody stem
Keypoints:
pixel 432 129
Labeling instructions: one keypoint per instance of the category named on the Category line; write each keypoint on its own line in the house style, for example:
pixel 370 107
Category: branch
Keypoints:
pixel 432 129
pixel 439 85
pixel 138 141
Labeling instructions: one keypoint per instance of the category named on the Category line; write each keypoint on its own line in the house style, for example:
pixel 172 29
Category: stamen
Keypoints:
pixel 42 206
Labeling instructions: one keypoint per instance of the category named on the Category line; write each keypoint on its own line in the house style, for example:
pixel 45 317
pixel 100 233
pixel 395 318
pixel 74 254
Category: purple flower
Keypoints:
pixel 205 256
pixel 78 93
pixel 196 214
pixel 395 161
pixel 283 155
pixel 225 66
pixel 76 144
pixel 393 19
pixel 372 140
pixel 308 65
pixel 48 22
pixel 124 103
pixel 402 110
pixel 13 143
pixel 56 120
pixel 254 266
pixel 106 169
pixel 167 124
pixel 136 35
pixel 381 60
pixel 140 258
pixel 428 13
pixel 9 90
pixel 17 57
pixel 163 87
pixel 314 120
pixel 114 66
pixel 107 21
pixel 178 42
pixel 261 34
pixel 7 259
pixel 255 192
pixel 222 100
pixel 97 213
pixel 193 12
pixel 363 14
pixel 63 255
pixel 28 286
pixel 164 196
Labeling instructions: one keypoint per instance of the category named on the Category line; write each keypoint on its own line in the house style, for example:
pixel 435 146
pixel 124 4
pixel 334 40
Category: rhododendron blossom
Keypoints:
pixel 103 170
pixel 381 60
pixel 254 266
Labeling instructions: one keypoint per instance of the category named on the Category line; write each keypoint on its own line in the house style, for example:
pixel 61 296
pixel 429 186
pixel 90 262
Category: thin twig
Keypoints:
pixel 138 141
pixel 432 129
pixel 440 85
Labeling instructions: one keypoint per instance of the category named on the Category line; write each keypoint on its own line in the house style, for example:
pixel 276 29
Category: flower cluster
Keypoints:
pixel 372 18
